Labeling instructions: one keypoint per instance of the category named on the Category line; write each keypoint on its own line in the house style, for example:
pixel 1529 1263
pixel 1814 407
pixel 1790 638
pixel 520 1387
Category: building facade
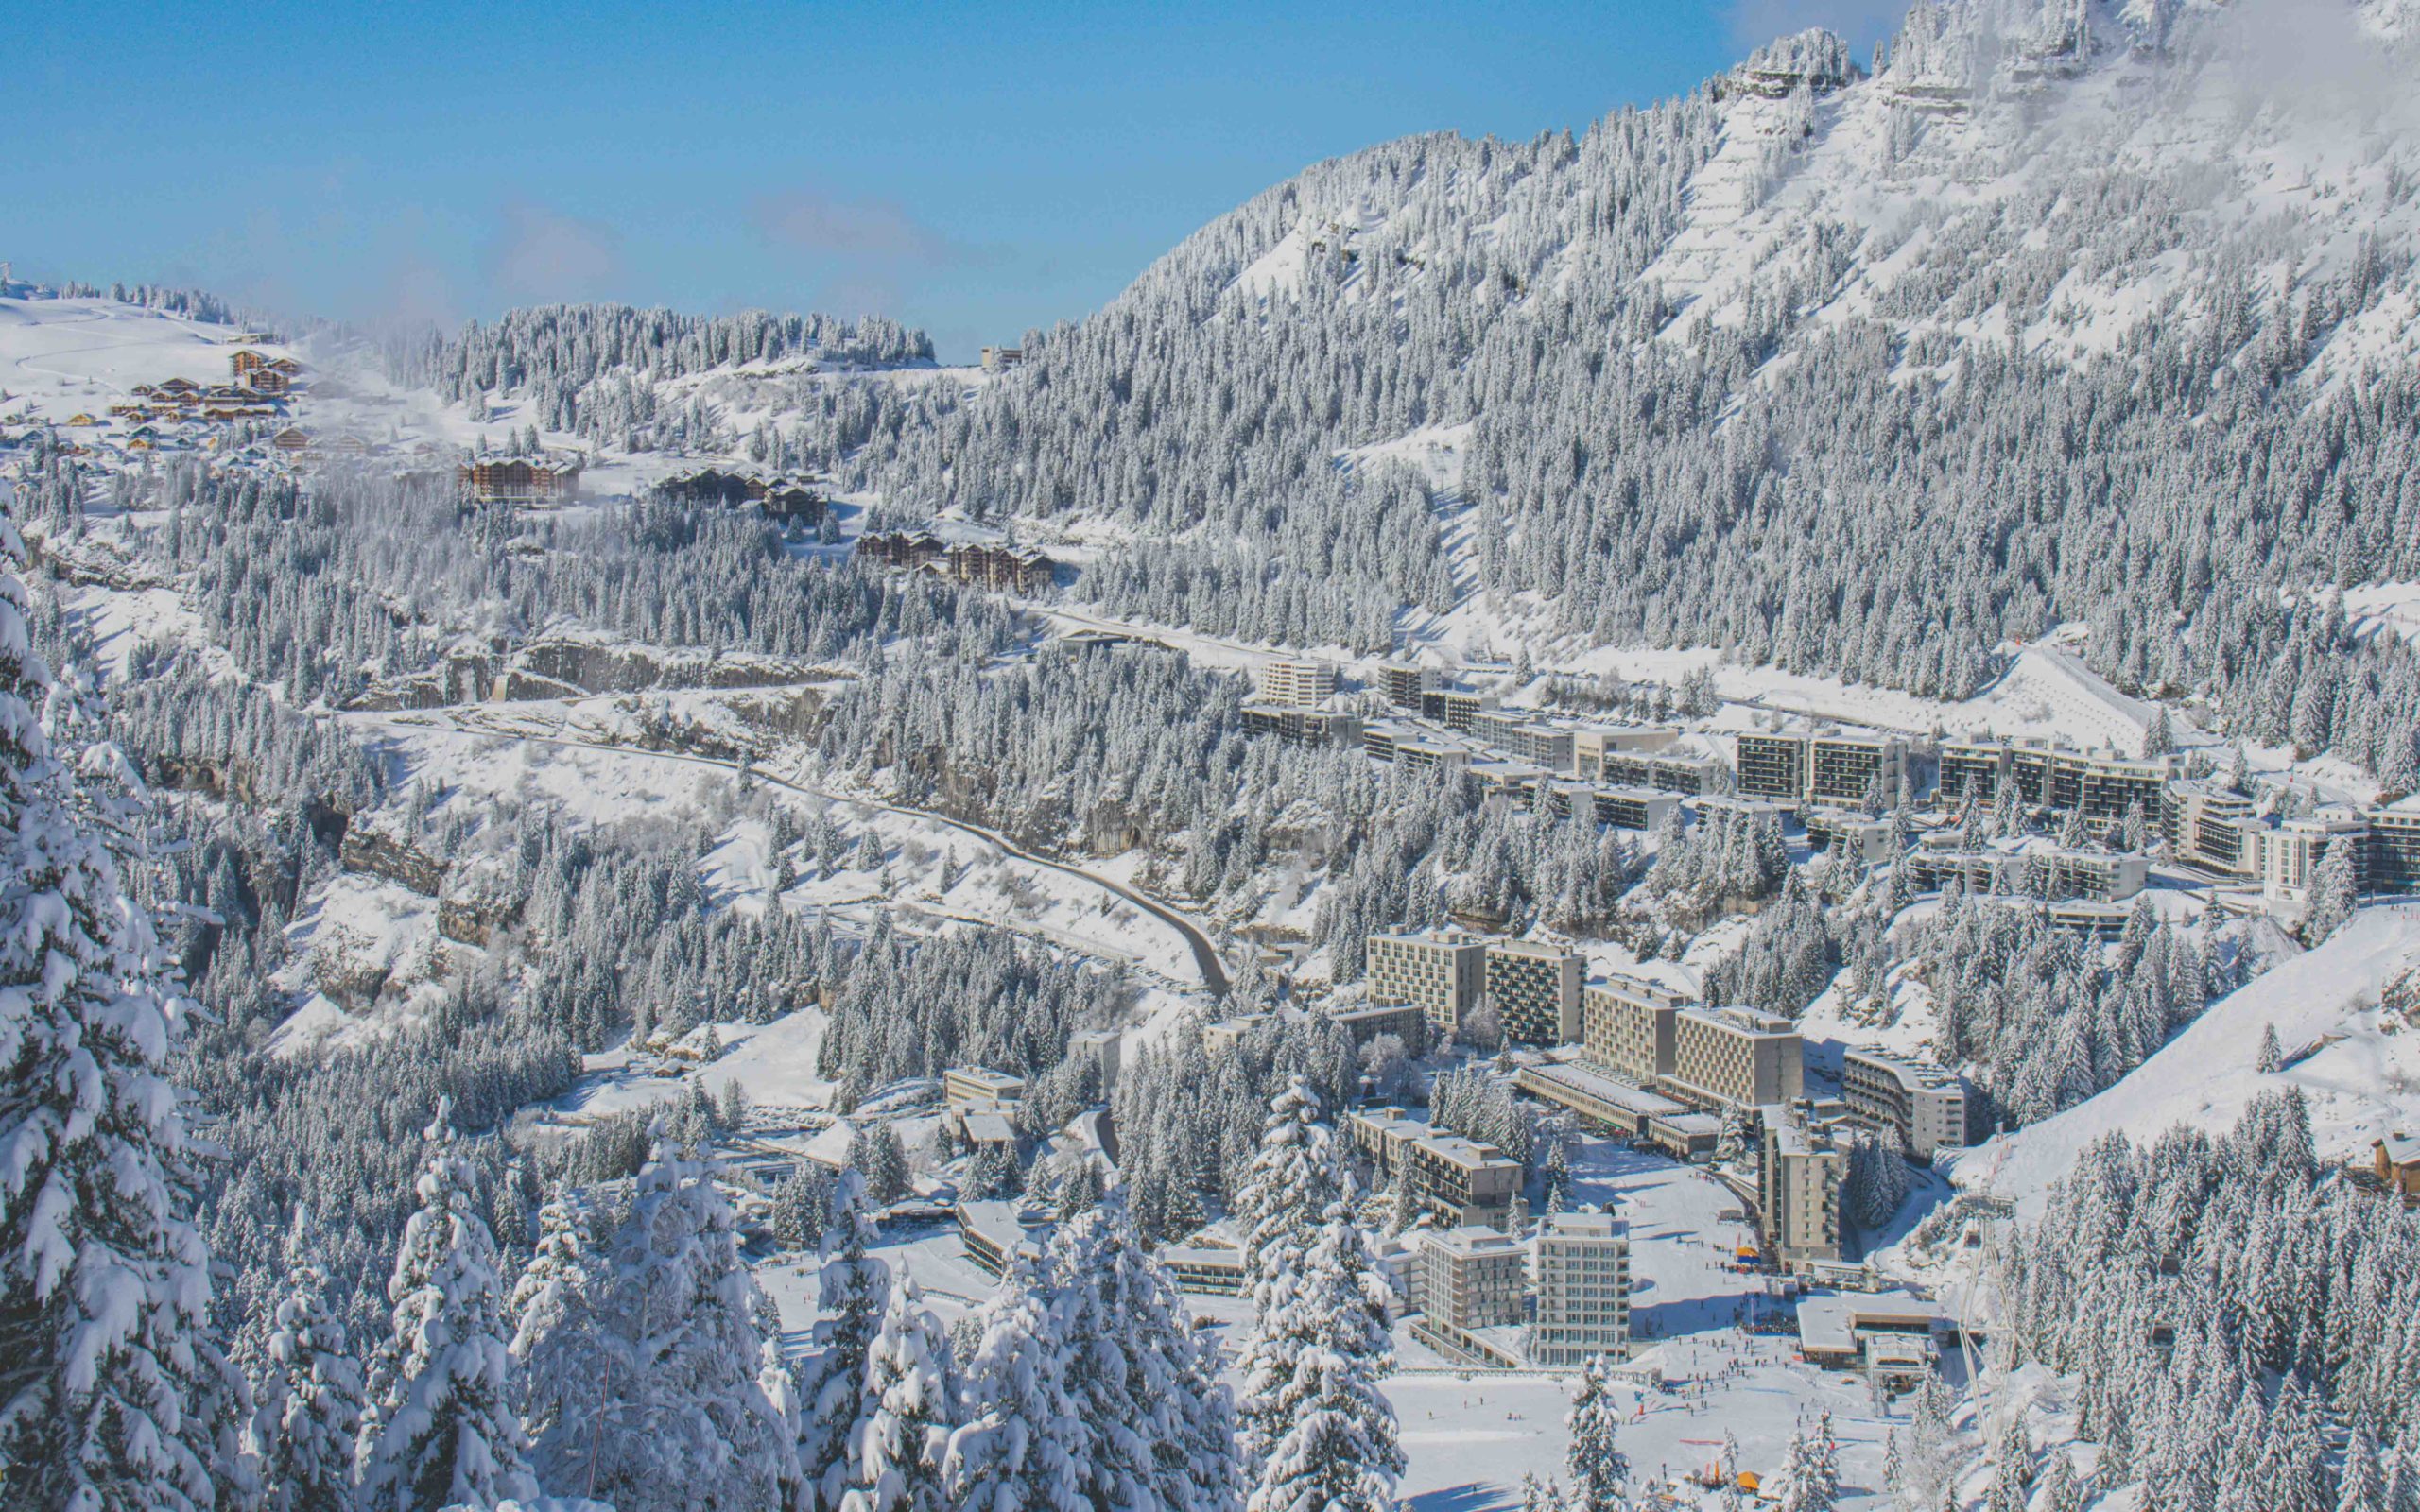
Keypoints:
pixel 1582 1266
pixel 1462 1181
pixel 1300 683
pixel 1734 1057
pixel 1922 1103
pixel 1535 990
pixel 1443 975
pixel 1629 1027
pixel 1800 1175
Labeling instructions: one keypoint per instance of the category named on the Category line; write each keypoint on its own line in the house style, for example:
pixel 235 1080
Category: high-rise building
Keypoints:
pixel 1471 1277
pixel 1443 975
pixel 2394 849
pixel 1800 1173
pixel 1734 1057
pixel 1402 684
pixel 1300 683
pixel 1582 1266
pixel 1627 1026
pixel 1535 990
pixel 1463 1181
pixel 1772 764
pixel 1922 1103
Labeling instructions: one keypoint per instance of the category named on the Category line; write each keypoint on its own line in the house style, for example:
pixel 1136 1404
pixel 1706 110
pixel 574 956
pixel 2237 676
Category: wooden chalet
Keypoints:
pixel 246 361
pixel 179 385
pixel 291 440
pixel 267 381
pixel 1021 569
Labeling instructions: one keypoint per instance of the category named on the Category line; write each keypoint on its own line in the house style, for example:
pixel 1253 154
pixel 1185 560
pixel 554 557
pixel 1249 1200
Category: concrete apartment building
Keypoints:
pixel 1535 990
pixel 1301 684
pixel 2283 854
pixel 1470 1276
pixel 1302 727
pixel 1467 1283
pixel 1463 1181
pixel 1796 766
pixel 1666 772
pixel 1849 835
pixel 1630 1027
pixel 2104 788
pixel 1405 1021
pixel 1592 744
pixel 1580 1264
pixel 1402 684
pixel 1799 1177
pixel 964 1086
pixel 1734 1057
pixel 2202 821
pixel 1457 709
pixel 1922 1102
pixel 2394 849
pixel 1442 975
pixel 1612 1106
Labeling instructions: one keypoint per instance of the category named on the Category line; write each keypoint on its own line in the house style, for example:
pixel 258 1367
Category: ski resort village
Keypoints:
pixel 1720 812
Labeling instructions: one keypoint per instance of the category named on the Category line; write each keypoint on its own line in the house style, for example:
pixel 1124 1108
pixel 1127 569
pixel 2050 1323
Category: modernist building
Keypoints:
pixel 2202 821
pixel 1734 1057
pixel 1471 1277
pixel 1300 683
pixel 1791 768
pixel 1463 1181
pixel 1629 1027
pixel 964 1085
pixel 1799 1177
pixel 2394 849
pixel 1302 727
pixel 2283 854
pixel 1402 684
pixel 1535 990
pixel 1457 709
pixel 1582 1265
pixel 1592 744
pixel 1855 838
pixel 1441 974
pixel 1922 1102
pixel 1405 1021
pixel 1666 772
pixel 992 1236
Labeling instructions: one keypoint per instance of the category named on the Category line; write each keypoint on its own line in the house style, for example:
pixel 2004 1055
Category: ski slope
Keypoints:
pixel 2358 1068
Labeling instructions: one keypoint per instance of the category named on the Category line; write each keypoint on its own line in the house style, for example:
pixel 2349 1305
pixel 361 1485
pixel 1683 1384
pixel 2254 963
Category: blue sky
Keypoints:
pixel 975 170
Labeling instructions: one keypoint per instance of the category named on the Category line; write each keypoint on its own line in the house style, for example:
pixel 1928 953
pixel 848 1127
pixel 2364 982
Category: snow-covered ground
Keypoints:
pixel 2358 1069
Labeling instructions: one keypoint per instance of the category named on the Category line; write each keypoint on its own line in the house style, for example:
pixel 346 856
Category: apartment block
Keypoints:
pixel 1300 683
pixel 1772 766
pixel 1852 836
pixel 1734 1057
pixel 1382 1135
pixel 2102 876
pixel 1800 1173
pixel 2395 850
pixel 1857 769
pixel 1630 1027
pixel 2110 787
pixel 1972 768
pixel 1592 744
pixel 1300 727
pixel 1535 990
pixel 2104 788
pixel 2283 854
pixel 966 1085
pixel 1471 1277
pixel 1457 709
pixel 1402 684
pixel 1580 1263
pixel 1463 1181
pixel 2202 821
pixel 1922 1102
pixel 1666 772
pixel 1405 1021
pixel 1433 756
pixel 1441 974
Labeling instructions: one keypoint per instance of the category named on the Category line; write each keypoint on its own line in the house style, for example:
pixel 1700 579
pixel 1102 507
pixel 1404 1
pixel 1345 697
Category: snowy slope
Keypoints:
pixel 2362 1079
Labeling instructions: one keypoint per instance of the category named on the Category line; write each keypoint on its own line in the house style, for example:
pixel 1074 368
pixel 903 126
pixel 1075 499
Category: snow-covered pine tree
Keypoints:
pixel 1595 1461
pixel 1811 1470
pixel 683 1421
pixel 898 1446
pixel 307 1448
pixel 1293 1178
pixel 2333 894
pixel 116 1395
pixel 1016 1453
pixel 443 1433
pixel 1171 1439
pixel 1338 1448
pixel 851 1285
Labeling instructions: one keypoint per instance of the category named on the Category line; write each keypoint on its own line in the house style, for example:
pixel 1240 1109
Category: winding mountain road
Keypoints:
pixel 1205 954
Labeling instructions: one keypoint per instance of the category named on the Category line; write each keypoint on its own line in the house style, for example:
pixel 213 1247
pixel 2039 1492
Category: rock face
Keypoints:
pixel 572 667
pixel 377 850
